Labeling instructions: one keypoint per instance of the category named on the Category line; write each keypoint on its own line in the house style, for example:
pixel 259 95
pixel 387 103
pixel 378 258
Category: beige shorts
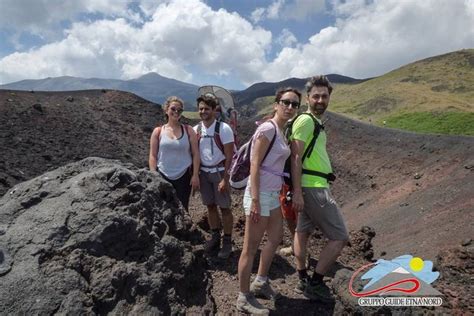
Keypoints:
pixel 320 210
pixel 209 183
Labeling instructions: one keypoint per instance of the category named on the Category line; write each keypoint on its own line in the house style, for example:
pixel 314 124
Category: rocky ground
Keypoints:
pixel 99 237
pixel 282 274
pixel 455 264
pixel 413 191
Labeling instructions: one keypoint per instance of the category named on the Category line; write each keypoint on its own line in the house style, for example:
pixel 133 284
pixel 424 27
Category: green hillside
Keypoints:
pixel 434 95
pixel 264 105
pixel 192 115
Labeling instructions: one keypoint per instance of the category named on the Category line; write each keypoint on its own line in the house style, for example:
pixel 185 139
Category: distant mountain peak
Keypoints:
pixel 150 75
pixel 151 86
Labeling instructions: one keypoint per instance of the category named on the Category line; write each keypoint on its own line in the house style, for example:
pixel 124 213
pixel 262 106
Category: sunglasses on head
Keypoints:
pixel 176 110
pixel 210 95
pixel 288 103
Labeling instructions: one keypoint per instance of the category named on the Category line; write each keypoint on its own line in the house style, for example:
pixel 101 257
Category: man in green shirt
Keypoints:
pixel 311 195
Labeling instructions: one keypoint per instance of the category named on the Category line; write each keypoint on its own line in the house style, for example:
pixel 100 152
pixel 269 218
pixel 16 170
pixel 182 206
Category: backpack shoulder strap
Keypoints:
pixel 316 131
pixel 199 132
pixel 199 129
pixel 217 136
pixel 186 128
pixel 271 142
pixel 158 136
pixel 159 131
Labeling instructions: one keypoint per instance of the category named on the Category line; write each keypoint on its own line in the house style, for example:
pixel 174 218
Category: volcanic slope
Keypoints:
pixel 415 190
pixel 40 131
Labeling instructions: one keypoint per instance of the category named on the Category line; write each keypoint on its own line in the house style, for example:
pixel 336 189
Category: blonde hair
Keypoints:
pixel 172 99
pixel 168 102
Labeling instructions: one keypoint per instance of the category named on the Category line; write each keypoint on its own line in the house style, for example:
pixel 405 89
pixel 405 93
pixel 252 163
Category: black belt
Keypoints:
pixel 220 164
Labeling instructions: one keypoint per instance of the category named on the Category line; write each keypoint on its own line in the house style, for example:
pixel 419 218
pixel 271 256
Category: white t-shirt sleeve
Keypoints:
pixel 226 133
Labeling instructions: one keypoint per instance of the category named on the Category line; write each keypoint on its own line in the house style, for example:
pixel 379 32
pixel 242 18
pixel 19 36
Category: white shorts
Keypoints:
pixel 268 201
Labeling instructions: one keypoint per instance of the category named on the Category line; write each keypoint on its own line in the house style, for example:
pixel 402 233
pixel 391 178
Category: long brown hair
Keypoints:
pixel 279 93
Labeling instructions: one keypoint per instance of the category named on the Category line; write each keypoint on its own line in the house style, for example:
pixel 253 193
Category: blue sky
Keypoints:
pixel 229 43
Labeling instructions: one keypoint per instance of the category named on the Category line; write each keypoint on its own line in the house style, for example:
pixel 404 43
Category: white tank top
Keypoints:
pixel 174 155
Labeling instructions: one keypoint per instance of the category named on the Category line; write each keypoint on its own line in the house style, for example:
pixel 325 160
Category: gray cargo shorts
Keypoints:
pixel 320 209
pixel 209 182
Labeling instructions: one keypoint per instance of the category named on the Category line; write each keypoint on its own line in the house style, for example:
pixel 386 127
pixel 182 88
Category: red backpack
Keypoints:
pixel 217 136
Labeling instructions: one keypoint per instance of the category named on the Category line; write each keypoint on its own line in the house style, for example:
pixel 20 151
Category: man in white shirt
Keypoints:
pixel 216 146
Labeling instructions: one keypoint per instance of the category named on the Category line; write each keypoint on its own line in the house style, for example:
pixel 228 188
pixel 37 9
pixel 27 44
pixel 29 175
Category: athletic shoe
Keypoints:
pixel 226 250
pixel 301 286
pixel 214 243
pixel 264 290
pixel 287 251
pixel 319 291
pixel 249 304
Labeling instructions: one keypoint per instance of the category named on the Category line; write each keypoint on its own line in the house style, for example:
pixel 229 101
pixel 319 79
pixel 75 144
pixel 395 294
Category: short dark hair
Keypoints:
pixel 208 99
pixel 318 81
pixel 281 91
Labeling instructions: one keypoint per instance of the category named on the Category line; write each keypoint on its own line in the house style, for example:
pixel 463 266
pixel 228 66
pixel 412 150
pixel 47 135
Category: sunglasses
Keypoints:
pixel 176 110
pixel 288 103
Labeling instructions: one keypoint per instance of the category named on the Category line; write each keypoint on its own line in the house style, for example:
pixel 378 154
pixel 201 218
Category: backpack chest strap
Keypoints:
pixel 216 137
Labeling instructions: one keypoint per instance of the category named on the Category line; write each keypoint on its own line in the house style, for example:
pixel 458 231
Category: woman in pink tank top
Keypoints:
pixel 261 202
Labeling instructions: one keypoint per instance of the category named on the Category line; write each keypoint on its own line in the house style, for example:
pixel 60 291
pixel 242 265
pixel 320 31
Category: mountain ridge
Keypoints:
pixel 156 88
pixel 262 89
pixel 429 95
pixel 151 86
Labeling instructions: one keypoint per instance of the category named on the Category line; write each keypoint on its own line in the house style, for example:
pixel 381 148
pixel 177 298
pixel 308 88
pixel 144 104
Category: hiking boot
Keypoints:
pixel 287 251
pixel 226 250
pixel 249 304
pixel 318 291
pixel 214 243
pixel 264 290
pixel 301 286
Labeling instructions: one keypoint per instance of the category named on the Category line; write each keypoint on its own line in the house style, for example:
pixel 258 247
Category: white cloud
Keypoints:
pixel 288 10
pixel 187 39
pixel 371 39
pixel 257 15
pixel 178 34
pixel 273 11
pixel 286 38
pixel 302 9
pixel 43 17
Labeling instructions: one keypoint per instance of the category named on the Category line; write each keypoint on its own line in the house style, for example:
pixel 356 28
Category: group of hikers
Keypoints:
pixel 199 158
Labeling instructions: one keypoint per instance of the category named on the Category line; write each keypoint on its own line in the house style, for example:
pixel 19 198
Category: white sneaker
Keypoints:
pixel 287 251
pixel 249 304
pixel 264 290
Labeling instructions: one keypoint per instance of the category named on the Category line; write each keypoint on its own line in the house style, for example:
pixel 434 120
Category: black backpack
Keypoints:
pixel 309 150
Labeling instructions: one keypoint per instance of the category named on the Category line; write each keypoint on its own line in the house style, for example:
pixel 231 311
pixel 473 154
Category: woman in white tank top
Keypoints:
pixel 174 152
